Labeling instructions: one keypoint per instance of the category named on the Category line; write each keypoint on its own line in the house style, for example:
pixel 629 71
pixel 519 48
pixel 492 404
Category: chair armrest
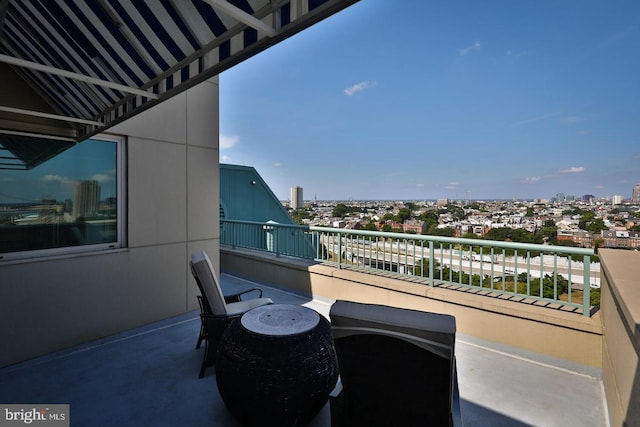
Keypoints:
pixel 337 405
pixel 237 297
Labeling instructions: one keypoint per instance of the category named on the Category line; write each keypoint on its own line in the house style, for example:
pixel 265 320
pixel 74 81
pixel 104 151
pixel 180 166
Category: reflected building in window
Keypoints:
pixel 86 199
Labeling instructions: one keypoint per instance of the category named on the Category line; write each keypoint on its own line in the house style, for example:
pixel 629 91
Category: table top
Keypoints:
pixel 280 319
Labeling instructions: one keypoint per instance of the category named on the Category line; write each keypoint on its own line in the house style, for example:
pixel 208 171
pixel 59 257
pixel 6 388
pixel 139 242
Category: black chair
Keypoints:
pixel 216 311
pixel 397 367
pixel 205 309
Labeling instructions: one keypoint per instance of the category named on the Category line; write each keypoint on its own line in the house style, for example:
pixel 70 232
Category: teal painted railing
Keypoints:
pixel 555 276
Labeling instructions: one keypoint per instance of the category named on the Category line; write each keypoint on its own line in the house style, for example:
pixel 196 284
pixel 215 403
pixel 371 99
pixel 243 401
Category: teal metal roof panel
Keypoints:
pixel 245 196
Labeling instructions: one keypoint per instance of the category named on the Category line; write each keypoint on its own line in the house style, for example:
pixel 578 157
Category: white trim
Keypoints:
pixel 49 116
pixel 242 16
pixel 37 135
pixel 75 76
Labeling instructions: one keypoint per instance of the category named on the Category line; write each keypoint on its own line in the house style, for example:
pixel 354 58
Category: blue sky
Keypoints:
pixel 57 178
pixel 459 99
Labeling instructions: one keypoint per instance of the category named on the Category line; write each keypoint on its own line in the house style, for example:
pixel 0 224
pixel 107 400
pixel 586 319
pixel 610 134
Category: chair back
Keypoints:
pixel 396 365
pixel 207 281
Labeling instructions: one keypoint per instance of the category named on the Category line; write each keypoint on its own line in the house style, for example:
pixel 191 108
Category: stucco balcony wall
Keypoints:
pixel 620 301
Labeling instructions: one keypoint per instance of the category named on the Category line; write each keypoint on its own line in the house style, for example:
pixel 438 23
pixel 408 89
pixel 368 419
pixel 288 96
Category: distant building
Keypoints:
pixel 414 226
pixel 635 195
pixel 621 239
pixel 296 198
pixel 86 199
pixel 581 237
pixel 588 198
pixel 617 199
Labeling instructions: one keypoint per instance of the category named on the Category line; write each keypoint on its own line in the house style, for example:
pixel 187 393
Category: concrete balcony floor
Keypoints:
pixel 149 377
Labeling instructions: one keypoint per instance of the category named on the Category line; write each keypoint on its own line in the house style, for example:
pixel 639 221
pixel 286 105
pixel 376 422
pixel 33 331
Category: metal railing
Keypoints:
pixel 556 276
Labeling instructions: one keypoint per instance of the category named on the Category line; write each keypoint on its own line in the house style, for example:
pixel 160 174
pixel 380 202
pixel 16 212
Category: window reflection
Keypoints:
pixel 67 200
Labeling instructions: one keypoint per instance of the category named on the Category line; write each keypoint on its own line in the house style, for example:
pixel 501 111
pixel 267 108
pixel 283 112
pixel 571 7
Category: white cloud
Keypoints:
pixel 358 87
pixel 225 158
pixel 228 141
pixel 57 179
pixel 573 119
pixel 102 178
pixel 469 49
pixel 535 119
pixel 573 169
pixel 516 54
pixel 453 185
pixel 532 179
pixel 277 164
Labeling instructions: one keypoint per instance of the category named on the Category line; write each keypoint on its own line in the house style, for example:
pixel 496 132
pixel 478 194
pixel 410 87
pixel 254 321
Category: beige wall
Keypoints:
pixel 620 301
pixel 173 198
pixel 567 336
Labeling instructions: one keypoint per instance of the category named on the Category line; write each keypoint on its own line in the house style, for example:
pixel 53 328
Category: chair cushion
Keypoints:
pixel 244 306
pixel 209 282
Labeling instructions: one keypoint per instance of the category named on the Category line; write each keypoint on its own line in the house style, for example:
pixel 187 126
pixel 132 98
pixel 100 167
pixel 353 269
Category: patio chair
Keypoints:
pixel 397 367
pixel 205 307
pixel 216 311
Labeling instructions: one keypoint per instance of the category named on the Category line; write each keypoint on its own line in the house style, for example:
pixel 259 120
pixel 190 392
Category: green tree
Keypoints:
pixel 388 216
pixel 370 226
pixel 340 210
pixel 549 232
pixel 403 215
pixel 585 219
pixel 513 234
pixel 300 215
pixel 446 232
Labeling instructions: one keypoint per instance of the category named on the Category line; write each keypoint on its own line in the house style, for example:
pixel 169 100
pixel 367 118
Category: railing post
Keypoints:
pixel 339 250
pixel 586 287
pixel 431 262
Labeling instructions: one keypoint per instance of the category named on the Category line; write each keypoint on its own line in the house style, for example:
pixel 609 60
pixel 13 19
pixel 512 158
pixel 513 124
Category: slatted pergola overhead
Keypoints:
pixel 70 69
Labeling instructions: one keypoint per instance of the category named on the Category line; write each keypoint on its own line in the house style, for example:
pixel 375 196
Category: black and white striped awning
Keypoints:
pixel 70 69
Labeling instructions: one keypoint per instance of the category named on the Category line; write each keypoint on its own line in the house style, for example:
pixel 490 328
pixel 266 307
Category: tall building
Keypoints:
pixel 635 195
pixel 86 200
pixel 617 199
pixel 296 197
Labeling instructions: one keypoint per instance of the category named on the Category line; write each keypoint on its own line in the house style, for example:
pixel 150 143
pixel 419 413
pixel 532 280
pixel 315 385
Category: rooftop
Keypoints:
pixel 149 376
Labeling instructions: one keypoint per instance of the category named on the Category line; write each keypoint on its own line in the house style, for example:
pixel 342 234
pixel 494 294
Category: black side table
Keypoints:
pixel 276 365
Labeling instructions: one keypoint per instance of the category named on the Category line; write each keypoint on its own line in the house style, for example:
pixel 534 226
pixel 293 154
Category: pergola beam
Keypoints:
pixel 75 76
pixel 242 16
pixel 50 116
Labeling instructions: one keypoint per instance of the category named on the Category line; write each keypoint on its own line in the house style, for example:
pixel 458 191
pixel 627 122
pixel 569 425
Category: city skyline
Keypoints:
pixel 470 100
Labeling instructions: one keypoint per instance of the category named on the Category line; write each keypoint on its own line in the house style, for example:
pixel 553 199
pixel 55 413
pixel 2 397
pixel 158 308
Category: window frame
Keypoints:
pixel 121 212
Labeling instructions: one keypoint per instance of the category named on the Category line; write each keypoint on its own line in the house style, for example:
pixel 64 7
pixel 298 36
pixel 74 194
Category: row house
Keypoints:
pixel 581 237
pixel 621 239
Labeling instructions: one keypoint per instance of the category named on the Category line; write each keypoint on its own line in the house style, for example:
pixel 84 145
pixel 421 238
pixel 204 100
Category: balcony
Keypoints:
pixel 522 359
pixel 149 376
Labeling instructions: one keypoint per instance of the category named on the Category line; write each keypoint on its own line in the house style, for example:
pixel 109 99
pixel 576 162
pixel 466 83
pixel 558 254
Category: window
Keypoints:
pixel 60 197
